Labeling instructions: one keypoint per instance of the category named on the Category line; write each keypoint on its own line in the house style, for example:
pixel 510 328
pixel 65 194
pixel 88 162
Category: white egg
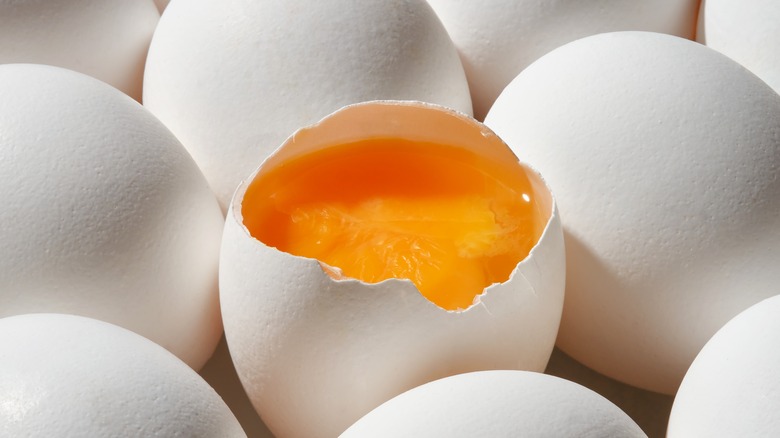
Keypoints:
pixel 104 213
pixel 497 39
pixel 106 39
pixel 732 389
pixel 315 352
pixel 493 404
pixel 65 375
pixel 233 79
pixel 663 155
pixel 747 32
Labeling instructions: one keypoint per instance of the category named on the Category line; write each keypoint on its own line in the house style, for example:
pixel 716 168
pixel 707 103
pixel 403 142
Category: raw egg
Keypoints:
pixel 65 375
pixel 663 155
pixel 106 39
pixel 104 213
pixel 232 79
pixel 391 244
pixel 499 403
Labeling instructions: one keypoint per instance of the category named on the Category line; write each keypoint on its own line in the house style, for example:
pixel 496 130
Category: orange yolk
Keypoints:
pixel 451 221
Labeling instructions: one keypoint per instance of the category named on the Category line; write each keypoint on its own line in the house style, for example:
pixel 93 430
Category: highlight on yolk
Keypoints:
pixel 451 221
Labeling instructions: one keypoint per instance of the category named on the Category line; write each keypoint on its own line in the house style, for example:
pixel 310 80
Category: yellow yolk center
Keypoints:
pixel 449 220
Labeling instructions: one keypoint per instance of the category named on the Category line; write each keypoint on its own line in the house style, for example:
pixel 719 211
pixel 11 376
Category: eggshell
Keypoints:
pixel 745 31
pixel 104 213
pixel 733 387
pixel 65 375
pixel 106 39
pixel 233 79
pixel 497 39
pixel 315 354
pixel 497 404
pixel 663 155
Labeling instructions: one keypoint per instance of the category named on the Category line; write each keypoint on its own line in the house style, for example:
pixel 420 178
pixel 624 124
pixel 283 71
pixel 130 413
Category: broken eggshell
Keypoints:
pixel 315 354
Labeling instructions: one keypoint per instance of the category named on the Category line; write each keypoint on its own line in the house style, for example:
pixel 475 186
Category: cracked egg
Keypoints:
pixel 389 245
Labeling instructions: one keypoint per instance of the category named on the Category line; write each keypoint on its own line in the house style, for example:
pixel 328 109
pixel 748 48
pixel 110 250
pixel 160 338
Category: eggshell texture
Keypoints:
pixel 497 39
pixel 315 354
pixel 65 375
pixel 497 404
pixel 106 39
pixel 733 386
pixel 104 213
pixel 664 156
pixel 233 79
pixel 745 31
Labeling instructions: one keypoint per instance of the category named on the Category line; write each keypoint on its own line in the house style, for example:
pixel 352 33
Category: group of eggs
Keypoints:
pixel 394 260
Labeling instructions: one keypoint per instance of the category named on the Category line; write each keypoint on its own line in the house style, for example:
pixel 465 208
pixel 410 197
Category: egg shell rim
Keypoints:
pixel 236 203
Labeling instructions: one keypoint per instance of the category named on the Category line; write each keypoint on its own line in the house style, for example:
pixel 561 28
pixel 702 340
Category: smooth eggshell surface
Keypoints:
pixel 497 39
pixel 104 213
pixel 315 354
pixel 733 387
pixel 106 39
pixel 64 375
pixel 493 404
pixel 746 31
pixel 663 155
pixel 233 79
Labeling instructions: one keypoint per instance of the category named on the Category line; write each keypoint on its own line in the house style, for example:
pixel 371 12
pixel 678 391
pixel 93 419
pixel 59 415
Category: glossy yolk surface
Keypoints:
pixel 447 219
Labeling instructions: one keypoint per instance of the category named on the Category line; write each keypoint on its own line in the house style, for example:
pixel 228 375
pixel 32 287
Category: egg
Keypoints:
pixel 745 31
pixel 391 244
pixel 65 375
pixel 498 403
pixel 663 155
pixel 106 39
pixel 497 39
pixel 232 79
pixel 733 386
pixel 104 213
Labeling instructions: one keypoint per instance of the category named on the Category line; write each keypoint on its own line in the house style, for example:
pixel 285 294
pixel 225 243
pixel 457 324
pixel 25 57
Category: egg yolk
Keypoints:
pixel 451 221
